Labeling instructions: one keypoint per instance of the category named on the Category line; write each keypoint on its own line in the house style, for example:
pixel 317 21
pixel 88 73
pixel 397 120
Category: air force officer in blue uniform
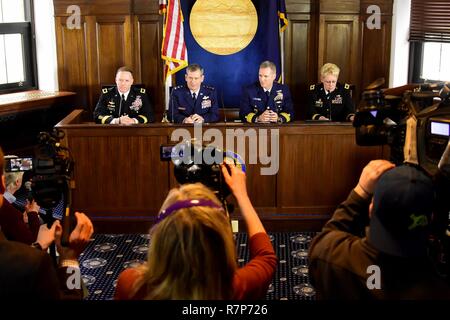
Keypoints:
pixel 266 100
pixel 193 102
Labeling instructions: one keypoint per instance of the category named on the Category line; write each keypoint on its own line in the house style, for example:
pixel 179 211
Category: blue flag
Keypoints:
pixel 229 73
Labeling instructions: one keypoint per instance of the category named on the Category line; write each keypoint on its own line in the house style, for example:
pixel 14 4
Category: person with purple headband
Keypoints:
pixel 192 253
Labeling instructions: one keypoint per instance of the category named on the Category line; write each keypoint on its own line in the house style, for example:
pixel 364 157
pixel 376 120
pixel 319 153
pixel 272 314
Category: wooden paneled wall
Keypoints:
pixel 112 33
pixel 335 31
pixel 128 32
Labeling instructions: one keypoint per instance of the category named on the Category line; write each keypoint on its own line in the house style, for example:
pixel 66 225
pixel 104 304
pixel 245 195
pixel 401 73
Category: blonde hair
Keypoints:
pixel 329 68
pixel 192 253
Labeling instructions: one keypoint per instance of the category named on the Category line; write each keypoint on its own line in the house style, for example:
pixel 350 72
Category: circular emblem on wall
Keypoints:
pixel 223 26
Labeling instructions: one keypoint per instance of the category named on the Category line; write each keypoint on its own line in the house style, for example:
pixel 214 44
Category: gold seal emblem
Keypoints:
pixel 223 26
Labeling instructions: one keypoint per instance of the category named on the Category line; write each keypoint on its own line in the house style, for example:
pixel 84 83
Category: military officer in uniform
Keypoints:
pixel 123 104
pixel 330 100
pixel 266 101
pixel 193 102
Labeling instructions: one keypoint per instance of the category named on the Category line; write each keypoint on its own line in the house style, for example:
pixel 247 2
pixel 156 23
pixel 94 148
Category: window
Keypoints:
pixel 430 41
pixel 435 63
pixel 17 50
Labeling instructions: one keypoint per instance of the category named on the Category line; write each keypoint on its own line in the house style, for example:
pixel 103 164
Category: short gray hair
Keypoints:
pixel 194 67
pixel 268 64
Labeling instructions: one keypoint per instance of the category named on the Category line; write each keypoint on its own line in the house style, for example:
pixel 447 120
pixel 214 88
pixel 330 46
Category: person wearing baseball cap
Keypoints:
pixel 375 246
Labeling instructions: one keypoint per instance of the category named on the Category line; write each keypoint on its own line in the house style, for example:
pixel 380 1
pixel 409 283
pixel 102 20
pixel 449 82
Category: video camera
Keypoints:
pixel 51 169
pixel 414 120
pixel 194 162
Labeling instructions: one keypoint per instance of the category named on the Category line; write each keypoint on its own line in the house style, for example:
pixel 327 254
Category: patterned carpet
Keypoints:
pixel 108 254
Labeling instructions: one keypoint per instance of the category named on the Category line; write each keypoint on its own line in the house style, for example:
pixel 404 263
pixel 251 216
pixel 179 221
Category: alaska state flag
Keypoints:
pixel 229 73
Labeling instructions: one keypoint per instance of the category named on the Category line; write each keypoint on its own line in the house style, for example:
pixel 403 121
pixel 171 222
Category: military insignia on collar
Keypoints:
pixel 311 87
pixel 105 90
pixel 142 90
pixel 347 86
pixel 136 104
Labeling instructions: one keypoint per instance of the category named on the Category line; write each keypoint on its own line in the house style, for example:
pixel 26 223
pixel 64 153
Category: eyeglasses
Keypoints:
pixel 330 82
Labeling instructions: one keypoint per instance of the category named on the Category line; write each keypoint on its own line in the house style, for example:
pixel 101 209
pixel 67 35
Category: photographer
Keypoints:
pixel 192 253
pixel 12 222
pixel 30 215
pixel 27 272
pixel 389 260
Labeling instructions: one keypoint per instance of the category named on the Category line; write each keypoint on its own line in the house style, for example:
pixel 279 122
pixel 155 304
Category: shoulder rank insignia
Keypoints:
pixel 346 86
pixel 312 87
pixel 142 90
pixel 105 90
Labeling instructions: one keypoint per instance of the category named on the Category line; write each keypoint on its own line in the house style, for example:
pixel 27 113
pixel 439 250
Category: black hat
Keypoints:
pixel 402 207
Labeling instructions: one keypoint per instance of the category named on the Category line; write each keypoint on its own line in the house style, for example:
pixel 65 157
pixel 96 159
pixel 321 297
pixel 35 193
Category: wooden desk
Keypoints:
pixel 119 175
pixel 29 100
pixel 24 114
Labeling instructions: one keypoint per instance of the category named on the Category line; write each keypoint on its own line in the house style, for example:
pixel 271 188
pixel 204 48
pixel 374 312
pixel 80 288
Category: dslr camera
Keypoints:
pixel 194 162
pixel 414 120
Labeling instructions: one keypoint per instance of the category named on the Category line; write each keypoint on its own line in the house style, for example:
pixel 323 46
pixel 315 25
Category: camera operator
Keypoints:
pixel 390 260
pixel 192 252
pixel 12 221
pixel 27 271
pixel 30 214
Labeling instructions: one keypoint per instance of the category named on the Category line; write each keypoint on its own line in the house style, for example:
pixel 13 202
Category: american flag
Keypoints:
pixel 173 49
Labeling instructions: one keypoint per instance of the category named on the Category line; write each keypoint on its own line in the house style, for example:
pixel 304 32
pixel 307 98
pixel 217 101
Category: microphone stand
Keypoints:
pixel 223 107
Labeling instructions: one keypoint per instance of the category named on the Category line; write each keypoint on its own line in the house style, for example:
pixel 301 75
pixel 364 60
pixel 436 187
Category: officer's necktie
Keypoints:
pixel 122 101
pixel 194 97
pixel 267 98
pixel 122 104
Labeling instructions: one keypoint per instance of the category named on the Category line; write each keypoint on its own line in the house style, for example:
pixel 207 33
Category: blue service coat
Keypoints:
pixel 181 104
pixel 254 102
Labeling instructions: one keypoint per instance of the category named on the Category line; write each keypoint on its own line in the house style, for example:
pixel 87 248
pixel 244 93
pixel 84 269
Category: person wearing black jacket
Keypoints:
pixel 330 100
pixel 123 103
pixel 375 244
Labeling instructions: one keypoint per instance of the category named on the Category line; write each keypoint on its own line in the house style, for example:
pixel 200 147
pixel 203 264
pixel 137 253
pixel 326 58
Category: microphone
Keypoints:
pixel 223 107
pixel 172 120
